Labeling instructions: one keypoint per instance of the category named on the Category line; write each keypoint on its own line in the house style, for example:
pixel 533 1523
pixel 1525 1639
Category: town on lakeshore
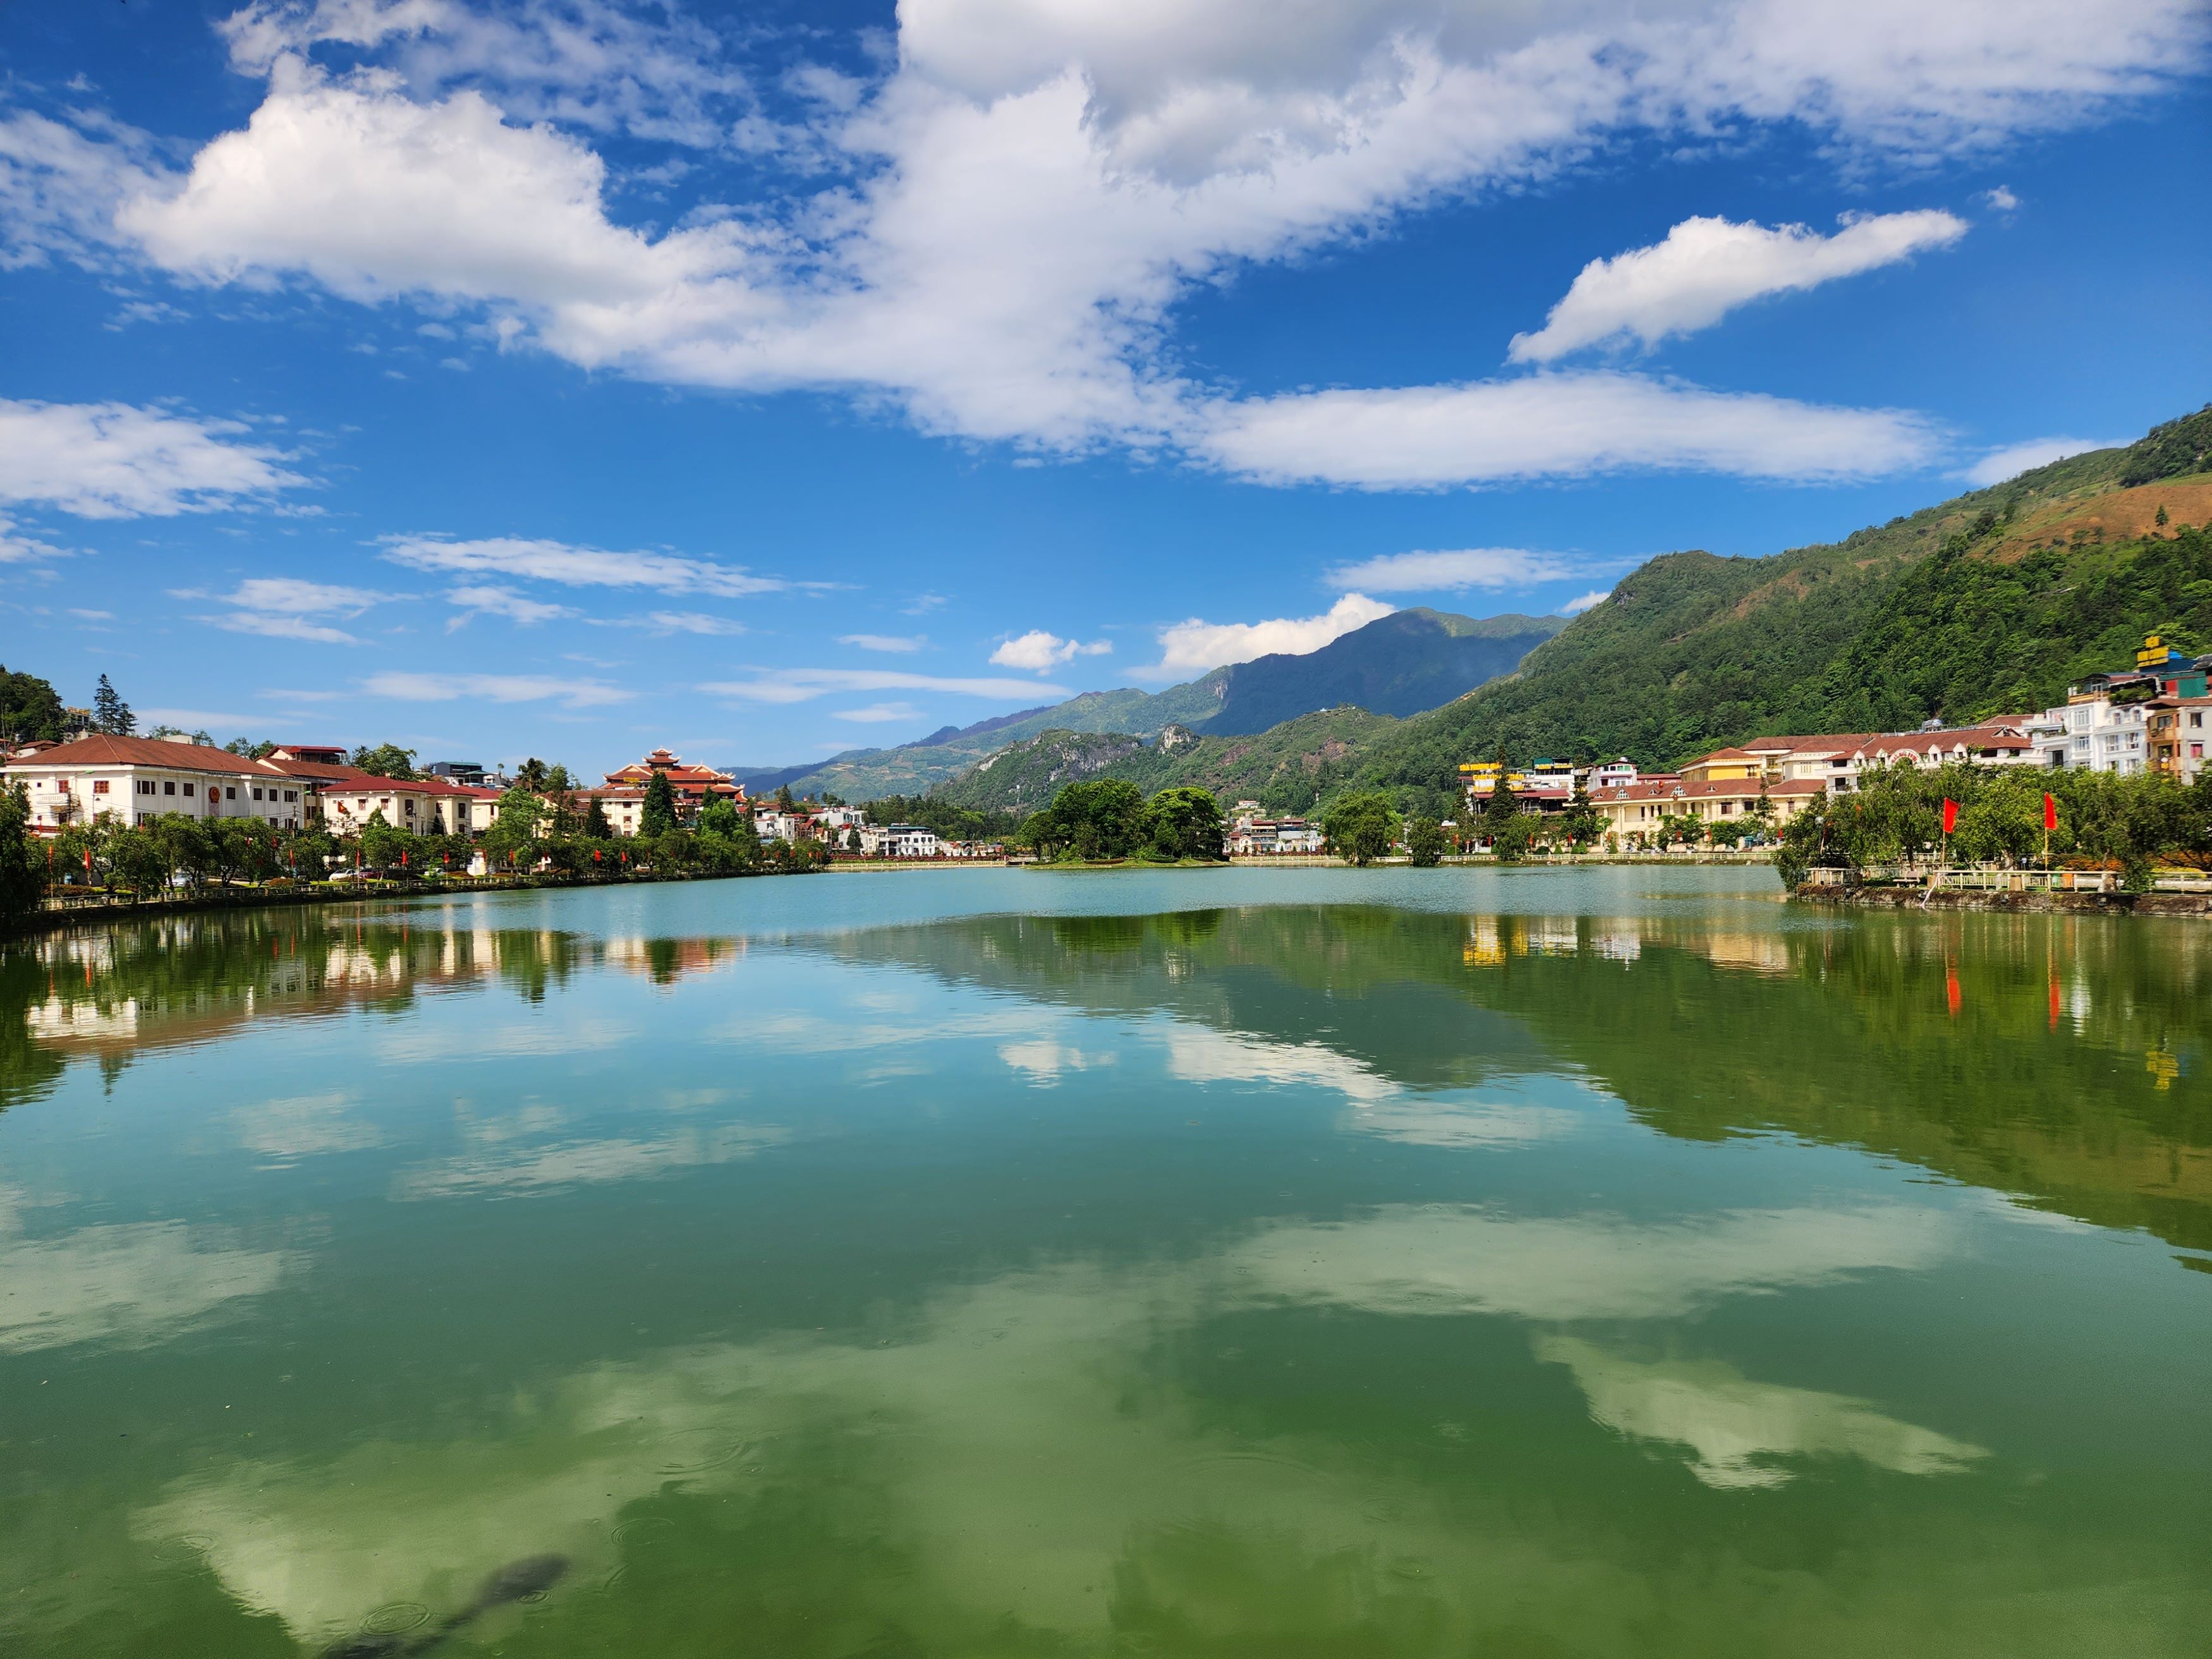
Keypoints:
pixel 248 811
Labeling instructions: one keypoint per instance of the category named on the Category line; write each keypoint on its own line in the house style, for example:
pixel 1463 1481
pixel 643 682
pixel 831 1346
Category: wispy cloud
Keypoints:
pixel 575 566
pixel 893 642
pixel 1193 647
pixel 787 685
pixel 876 713
pixel 1038 650
pixel 114 461
pixel 491 599
pixel 686 622
pixel 288 608
pixel 1450 572
pixel 2014 459
pixel 403 687
pixel 1575 607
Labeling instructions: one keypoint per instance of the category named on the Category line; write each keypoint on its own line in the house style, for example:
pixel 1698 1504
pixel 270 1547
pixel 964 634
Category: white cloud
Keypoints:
pixel 1193 647
pixel 114 461
pixel 1552 425
pixel 1575 607
pixel 18 547
pixel 893 642
pixel 576 567
pixel 2000 200
pixel 62 181
pixel 877 713
pixel 2014 459
pixel 785 685
pixel 1023 199
pixel 1449 572
pixel 288 608
pixel 687 622
pixel 403 687
pixel 492 600
pixel 1705 268
pixel 1040 651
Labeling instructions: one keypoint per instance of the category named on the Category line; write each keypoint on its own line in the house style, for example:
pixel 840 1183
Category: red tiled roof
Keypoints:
pixel 145 751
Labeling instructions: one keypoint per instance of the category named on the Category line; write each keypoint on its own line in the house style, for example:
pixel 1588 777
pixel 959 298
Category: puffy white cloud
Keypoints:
pixel 576 567
pixel 1028 192
pixel 891 642
pixel 1039 652
pixel 1707 267
pixel 804 684
pixel 2014 459
pixel 115 461
pixel 1449 572
pixel 404 687
pixel 2000 200
pixel 1575 607
pixel 1193 646
pixel 1552 425
pixel 492 600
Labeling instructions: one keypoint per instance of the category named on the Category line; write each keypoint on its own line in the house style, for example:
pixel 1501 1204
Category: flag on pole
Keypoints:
pixel 1950 815
pixel 2050 813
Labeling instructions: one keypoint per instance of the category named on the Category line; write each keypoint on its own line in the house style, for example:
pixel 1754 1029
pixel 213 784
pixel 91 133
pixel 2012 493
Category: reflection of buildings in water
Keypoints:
pixel 665 960
pixel 1755 953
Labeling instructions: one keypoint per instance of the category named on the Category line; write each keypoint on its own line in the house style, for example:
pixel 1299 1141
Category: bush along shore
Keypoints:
pixel 107 870
pixel 2006 838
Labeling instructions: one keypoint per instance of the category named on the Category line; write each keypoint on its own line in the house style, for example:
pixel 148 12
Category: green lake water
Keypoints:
pixel 994 1263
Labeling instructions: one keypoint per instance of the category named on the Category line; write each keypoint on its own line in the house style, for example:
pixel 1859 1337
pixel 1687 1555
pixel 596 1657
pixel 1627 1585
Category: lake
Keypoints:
pixel 989 1262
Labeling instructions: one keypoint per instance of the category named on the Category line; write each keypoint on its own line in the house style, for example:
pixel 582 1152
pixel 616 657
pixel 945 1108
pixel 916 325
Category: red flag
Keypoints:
pixel 1950 815
pixel 88 860
pixel 2050 813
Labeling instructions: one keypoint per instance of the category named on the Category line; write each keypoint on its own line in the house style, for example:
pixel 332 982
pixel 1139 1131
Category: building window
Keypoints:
pixel 230 793
pixel 188 789
pixel 291 794
pixel 99 785
pixel 168 788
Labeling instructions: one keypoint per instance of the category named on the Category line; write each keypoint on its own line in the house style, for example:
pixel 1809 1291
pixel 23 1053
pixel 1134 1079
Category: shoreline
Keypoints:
pixel 1971 900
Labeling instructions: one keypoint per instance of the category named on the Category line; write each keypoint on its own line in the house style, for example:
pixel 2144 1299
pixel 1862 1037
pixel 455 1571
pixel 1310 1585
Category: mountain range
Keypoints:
pixel 1991 602
pixel 1399 665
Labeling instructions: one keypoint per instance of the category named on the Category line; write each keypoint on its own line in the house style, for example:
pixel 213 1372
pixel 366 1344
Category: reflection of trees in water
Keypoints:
pixel 113 992
pixel 2061 1059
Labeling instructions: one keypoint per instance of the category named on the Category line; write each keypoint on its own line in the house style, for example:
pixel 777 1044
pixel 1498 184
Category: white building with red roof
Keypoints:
pixel 133 780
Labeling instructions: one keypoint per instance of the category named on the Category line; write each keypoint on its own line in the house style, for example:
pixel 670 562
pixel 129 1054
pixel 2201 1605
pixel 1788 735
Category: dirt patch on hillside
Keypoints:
pixel 2118 515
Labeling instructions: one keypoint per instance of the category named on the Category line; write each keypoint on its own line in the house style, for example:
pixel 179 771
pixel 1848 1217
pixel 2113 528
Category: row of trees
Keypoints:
pixel 1110 818
pixel 1895 816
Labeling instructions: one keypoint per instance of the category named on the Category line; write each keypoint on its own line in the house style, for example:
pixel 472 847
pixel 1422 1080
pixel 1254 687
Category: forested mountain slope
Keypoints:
pixel 1987 602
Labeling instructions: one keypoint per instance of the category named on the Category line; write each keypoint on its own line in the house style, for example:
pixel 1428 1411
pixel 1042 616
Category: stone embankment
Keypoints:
pixel 2035 902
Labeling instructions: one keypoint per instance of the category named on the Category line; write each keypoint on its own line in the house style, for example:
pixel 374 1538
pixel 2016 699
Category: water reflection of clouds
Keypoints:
pixel 282 1132
pixel 562 1033
pixel 128 1285
pixel 1438 1259
pixel 1016 1451
pixel 1042 1059
pixel 532 1150
pixel 1737 1429
pixel 1433 1121
pixel 1197 1054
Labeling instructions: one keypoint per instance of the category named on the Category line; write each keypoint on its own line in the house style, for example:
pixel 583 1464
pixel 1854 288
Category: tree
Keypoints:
pixel 783 800
pixel 659 817
pixel 22 863
pixel 514 830
pixel 532 775
pixel 111 715
pixel 1362 827
pixel 1511 843
pixel 1097 818
pixel 386 760
pixel 30 708
pixel 382 846
pixel 596 827
pixel 247 748
pixel 1501 807
pixel 1582 824
pixel 1184 823
pixel 1424 842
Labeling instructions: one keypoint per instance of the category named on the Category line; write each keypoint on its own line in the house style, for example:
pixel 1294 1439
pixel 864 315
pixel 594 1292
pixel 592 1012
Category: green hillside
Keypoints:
pixel 1286 769
pixel 1989 603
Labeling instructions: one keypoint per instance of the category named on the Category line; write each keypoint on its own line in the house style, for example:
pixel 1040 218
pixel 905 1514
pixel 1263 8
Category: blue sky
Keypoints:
pixel 564 378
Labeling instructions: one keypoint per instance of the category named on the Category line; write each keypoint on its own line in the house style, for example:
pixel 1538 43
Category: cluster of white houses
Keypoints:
pixel 2152 718
pixel 132 780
